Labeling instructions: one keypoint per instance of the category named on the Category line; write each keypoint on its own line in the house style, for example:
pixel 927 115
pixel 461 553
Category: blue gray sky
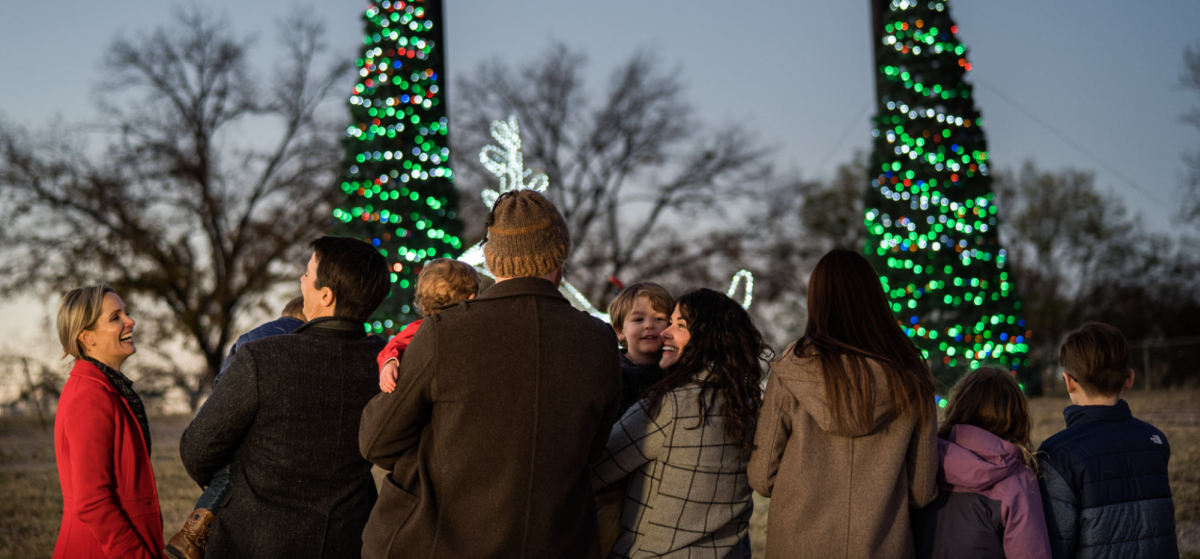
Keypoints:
pixel 1102 73
pixel 1060 83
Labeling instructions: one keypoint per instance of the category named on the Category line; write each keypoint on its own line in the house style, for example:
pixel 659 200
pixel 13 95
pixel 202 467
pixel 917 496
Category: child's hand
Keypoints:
pixel 387 376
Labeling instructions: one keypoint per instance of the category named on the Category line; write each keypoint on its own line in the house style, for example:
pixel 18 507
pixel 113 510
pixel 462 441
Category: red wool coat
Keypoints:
pixel 110 501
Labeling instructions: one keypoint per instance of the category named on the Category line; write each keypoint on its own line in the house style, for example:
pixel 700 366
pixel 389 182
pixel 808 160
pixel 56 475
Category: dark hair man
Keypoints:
pixel 286 414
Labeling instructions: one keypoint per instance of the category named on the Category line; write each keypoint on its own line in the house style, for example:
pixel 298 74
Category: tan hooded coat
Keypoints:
pixel 838 492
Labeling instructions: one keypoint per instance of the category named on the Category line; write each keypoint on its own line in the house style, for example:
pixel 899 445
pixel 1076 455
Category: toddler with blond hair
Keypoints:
pixel 442 282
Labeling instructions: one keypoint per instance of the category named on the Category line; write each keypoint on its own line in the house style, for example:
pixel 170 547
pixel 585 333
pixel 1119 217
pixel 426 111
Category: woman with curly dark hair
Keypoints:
pixel 848 436
pixel 686 445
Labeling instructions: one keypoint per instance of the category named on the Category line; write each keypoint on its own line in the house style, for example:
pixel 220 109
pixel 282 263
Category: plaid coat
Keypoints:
pixel 688 494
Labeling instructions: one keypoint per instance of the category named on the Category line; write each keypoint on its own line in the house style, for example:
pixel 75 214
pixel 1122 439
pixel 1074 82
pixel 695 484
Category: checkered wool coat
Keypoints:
pixel 688 495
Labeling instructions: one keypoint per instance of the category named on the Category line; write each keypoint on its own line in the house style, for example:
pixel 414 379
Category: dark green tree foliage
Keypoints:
pixel 398 187
pixel 932 230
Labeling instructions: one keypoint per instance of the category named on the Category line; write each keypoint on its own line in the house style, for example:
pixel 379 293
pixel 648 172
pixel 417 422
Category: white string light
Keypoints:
pixel 733 285
pixel 508 164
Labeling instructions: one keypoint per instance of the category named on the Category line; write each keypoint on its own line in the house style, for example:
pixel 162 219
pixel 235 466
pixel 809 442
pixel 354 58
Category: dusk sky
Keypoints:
pixel 1103 74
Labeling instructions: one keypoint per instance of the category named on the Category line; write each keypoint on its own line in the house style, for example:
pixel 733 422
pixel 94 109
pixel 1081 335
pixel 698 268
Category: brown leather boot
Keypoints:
pixel 189 543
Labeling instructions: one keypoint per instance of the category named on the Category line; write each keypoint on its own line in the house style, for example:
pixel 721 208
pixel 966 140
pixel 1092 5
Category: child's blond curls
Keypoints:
pixel 444 282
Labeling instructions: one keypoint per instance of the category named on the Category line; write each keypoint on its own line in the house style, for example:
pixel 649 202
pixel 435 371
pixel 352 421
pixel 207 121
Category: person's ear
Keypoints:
pixel 620 333
pixel 1072 386
pixel 1128 381
pixel 86 338
pixel 327 298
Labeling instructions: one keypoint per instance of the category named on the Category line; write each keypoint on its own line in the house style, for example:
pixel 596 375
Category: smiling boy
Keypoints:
pixel 639 315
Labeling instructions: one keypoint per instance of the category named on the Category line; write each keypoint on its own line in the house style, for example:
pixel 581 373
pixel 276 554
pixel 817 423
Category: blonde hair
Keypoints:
pixel 620 307
pixel 991 399
pixel 443 282
pixel 79 310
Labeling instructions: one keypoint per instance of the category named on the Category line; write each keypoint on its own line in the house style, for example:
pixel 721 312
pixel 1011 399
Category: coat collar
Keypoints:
pixel 333 327
pixel 517 287
pixel 1097 414
pixel 86 369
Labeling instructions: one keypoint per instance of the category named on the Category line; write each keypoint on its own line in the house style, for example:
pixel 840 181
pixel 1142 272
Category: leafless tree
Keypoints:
pixel 1070 244
pixel 645 190
pixel 797 222
pixel 1190 79
pixel 177 203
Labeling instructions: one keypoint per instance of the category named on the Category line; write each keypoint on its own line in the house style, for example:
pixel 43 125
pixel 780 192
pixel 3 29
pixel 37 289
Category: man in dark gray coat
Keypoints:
pixel 501 404
pixel 286 415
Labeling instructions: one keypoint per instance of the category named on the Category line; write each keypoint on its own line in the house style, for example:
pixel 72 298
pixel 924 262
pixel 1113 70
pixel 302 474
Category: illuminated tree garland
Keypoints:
pixel 932 229
pixel 397 181
pixel 508 164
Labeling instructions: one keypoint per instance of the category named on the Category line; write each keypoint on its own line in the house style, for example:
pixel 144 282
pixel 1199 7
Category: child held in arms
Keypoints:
pixel 639 315
pixel 442 282
pixel 1104 478
pixel 190 542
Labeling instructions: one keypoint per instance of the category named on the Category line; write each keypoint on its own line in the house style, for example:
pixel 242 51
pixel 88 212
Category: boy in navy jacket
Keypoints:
pixel 1104 477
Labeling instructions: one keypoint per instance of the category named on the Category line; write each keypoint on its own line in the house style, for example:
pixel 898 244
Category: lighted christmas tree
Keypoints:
pixel 399 191
pixel 932 230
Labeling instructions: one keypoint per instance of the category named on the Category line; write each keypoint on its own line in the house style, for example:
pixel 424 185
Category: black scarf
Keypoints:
pixel 124 387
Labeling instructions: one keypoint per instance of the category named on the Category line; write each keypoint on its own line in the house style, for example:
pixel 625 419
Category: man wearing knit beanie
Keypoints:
pixel 500 406
pixel 526 237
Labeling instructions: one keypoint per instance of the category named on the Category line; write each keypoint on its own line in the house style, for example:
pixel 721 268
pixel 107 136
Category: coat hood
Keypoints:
pixel 975 459
pixel 814 401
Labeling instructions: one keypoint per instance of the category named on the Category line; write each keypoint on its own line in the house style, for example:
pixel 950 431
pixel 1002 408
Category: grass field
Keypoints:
pixel 31 504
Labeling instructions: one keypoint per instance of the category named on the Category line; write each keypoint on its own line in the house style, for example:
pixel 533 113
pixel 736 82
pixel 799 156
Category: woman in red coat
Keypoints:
pixel 102 438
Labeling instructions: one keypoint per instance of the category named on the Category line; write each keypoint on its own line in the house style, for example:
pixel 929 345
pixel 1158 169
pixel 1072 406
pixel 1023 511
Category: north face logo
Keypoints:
pixel 1156 439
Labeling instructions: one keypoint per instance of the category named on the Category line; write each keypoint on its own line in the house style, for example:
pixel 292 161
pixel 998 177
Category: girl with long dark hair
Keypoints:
pixel 686 445
pixel 847 441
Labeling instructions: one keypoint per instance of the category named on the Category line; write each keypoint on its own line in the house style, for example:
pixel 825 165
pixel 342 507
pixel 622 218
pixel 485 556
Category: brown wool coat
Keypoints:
pixel 501 405
pixel 838 493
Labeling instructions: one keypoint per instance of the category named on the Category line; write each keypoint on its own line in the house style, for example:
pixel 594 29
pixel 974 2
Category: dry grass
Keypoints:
pixel 31 501
pixel 31 504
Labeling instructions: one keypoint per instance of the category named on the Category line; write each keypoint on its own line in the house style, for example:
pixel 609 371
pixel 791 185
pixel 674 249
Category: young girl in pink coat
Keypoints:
pixel 989 506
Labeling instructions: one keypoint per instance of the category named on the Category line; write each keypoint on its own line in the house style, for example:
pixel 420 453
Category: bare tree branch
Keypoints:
pixel 625 164
pixel 176 211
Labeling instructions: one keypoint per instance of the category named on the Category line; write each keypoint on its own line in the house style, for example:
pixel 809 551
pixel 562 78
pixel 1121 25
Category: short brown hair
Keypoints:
pixel 356 273
pixel 444 282
pixel 991 399
pixel 294 308
pixel 620 307
pixel 79 310
pixel 1097 357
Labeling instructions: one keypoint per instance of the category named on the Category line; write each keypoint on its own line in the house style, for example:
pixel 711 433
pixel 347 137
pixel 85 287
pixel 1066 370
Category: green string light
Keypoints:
pixel 397 187
pixel 932 229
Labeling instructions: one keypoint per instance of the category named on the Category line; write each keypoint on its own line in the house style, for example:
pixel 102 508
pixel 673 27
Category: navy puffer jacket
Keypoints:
pixel 1104 485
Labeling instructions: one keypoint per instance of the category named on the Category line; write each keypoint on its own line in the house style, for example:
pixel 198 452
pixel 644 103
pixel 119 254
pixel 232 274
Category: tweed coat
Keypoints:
pixel 687 496
pixel 501 403
pixel 838 492
pixel 286 414
pixel 110 500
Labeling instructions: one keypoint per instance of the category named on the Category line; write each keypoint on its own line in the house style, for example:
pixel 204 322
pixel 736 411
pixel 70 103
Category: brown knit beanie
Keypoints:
pixel 526 236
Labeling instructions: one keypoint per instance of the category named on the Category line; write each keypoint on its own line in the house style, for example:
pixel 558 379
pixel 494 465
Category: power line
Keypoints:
pixel 841 140
pixel 1067 140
